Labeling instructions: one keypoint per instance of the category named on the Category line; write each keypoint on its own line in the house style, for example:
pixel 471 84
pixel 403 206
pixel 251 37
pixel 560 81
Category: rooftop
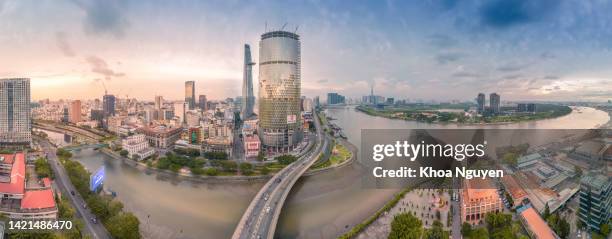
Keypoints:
pixel 515 190
pixel 17 180
pixel 595 180
pixel 536 224
pixel 478 188
pixel 529 157
pixel 590 147
pixel 6 158
pixel 38 199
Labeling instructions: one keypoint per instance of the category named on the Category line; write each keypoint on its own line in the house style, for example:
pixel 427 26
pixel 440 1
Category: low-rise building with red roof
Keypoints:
pixel 534 224
pixel 514 189
pixel 17 201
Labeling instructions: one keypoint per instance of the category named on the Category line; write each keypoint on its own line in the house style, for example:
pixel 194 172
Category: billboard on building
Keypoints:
pixel 96 179
pixel 291 119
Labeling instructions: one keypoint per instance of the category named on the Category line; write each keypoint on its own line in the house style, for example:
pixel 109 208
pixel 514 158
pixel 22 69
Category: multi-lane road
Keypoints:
pixel 96 230
pixel 260 218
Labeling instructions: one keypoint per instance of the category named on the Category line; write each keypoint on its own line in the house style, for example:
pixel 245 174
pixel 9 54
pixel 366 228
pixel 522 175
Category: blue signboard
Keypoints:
pixel 96 179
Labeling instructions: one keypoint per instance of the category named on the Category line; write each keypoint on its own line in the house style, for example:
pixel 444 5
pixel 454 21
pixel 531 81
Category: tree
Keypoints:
pixel 246 168
pixel 436 231
pixel 211 171
pixel 499 225
pixel 265 170
pixel 215 155
pixel 406 226
pixel 115 207
pixel 136 157
pixel 466 229
pixel 261 156
pixel 43 169
pixel 99 207
pixel 605 229
pixel 286 159
pixel 123 153
pixel 124 225
pixel 546 212
pixel 229 166
pixel 480 233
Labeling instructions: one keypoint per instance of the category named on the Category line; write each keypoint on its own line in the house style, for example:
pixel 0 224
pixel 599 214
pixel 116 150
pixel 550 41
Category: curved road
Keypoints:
pixel 260 218
pixel 97 230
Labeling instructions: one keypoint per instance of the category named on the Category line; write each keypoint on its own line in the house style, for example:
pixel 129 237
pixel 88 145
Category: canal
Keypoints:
pixel 320 206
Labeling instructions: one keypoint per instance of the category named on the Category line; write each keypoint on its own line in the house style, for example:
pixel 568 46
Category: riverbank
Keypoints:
pixel 353 150
pixel 225 178
pixel 430 116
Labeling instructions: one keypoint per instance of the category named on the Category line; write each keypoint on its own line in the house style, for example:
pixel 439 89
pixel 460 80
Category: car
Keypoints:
pixel 94 220
pixel 72 192
pixel 267 209
pixel 84 205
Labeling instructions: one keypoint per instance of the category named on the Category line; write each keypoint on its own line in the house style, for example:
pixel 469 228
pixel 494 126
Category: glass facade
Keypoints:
pixel 279 89
pixel 15 115
pixel 190 94
pixel 248 98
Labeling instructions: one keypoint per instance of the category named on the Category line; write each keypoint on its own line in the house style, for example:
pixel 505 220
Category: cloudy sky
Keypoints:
pixel 434 49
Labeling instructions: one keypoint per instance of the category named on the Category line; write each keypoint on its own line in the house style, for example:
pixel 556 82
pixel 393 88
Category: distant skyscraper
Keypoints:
pixel 15 115
pixel 202 103
pixel 481 102
pixel 190 94
pixel 75 111
pixel 248 98
pixel 494 103
pixel 108 105
pixel 65 115
pixel 279 89
pixel 335 98
pixel 179 110
pixel 159 102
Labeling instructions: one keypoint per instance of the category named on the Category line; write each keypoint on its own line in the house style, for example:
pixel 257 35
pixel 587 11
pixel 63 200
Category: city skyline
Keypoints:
pixel 417 51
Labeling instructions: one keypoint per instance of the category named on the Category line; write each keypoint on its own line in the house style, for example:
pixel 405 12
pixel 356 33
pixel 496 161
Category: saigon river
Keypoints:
pixel 321 206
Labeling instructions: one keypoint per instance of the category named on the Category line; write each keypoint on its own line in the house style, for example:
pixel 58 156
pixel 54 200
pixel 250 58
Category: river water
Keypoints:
pixel 320 206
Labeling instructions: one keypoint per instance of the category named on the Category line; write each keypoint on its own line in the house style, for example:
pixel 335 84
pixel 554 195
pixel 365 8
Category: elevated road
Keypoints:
pixel 69 130
pixel 260 218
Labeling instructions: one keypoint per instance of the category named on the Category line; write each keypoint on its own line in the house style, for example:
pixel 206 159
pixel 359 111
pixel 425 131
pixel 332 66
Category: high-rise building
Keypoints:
pixel 159 102
pixel 75 111
pixel 523 107
pixel 335 98
pixel 390 100
pixel 108 105
pixel 279 89
pixel 248 98
pixel 180 108
pixel 481 102
pixel 494 103
pixel 65 115
pixel 190 94
pixel 15 115
pixel 202 103
pixel 595 206
pixel 97 115
pixel 316 101
pixel 307 105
